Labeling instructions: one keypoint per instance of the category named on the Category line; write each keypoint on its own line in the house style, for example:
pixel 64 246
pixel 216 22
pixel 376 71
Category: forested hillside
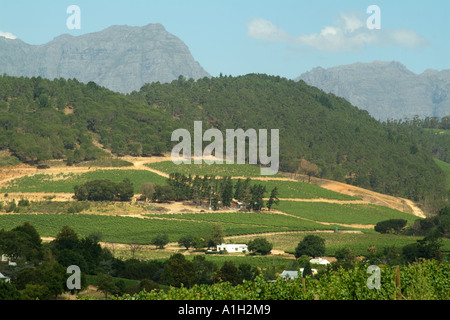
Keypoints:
pixel 42 119
pixel 343 141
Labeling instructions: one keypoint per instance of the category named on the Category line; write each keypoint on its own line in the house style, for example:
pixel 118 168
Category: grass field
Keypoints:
pixel 125 229
pixel 301 190
pixel 346 214
pixel 300 218
pixel 357 242
pixel 446 168
pixel 233 170
pixel 253 219
pixel 64 183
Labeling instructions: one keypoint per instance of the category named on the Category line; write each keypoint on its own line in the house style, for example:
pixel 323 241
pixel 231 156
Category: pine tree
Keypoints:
pixel 257 196
pixel 227 191
pixel 239 191
pixel 273 198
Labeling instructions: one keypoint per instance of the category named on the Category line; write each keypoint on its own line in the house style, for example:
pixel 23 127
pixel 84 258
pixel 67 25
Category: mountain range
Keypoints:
pixel 387 90
pixel 120 58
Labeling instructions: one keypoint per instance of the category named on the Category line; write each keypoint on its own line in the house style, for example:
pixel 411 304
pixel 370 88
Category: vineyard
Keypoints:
pixel 365 214
pixel 424 280
pixel 127 229
pixel 65 182
pixel 233 170
pixel 301 190
pixel 285 222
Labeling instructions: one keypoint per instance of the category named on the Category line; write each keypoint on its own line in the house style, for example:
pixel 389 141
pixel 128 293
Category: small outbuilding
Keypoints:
pixel 319 261
pixel 231 247
pixel 291 274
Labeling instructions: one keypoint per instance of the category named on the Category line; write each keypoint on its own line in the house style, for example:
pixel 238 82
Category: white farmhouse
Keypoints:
pixel 232 247
pixel 319 261
pixel 5 259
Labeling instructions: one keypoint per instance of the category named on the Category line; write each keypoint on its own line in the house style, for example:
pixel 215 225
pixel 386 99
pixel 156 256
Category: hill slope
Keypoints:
pixel 388 90
pixel 42 119
pixel 121 58
pixel 344 141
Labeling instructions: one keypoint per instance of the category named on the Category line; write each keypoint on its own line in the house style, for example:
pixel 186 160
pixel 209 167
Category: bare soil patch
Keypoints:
pixel 368 196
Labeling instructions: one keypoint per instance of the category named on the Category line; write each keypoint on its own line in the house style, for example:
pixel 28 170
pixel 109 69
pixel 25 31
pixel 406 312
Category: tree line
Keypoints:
pixel 41 270
pixel 207 190
pixel 221 192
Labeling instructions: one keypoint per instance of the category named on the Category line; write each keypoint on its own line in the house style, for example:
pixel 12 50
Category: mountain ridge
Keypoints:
pixel 387 90
pixel 120 58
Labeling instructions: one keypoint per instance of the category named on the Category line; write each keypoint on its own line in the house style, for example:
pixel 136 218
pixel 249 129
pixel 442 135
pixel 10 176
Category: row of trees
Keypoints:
pixel 41 271
pixel 438 225
pixel 220 192
pixel 217 192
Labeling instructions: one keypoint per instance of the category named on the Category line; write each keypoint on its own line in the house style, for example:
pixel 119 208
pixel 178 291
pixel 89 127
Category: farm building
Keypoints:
pixel 290 274
pixel 231 247
pixel 5 259
pixel 319 261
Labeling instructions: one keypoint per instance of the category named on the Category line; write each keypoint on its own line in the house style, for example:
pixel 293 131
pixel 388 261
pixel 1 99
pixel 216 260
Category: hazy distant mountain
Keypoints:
pixel 387 90
pixel 121 58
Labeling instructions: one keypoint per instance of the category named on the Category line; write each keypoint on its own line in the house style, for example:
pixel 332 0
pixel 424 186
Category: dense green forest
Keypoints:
pixel 42 119
pixel 343 141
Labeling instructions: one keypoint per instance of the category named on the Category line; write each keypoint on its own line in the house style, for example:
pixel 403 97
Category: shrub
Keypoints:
pixel 160 240
pixel 260 245
pixel 104 190
pixel 311 245
pixel 391 226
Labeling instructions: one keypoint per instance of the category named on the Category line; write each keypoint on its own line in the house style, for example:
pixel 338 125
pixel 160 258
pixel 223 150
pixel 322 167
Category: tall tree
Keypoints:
pixel 311 245
pixel 227 191
pixel 257 197
pixel 273 199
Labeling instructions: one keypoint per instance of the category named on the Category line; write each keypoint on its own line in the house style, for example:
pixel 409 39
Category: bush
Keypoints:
pixel 24 203
pixel 163 194
pixel 104 190
pixel 391 226
pixel 78 207
pixel 147 189
pixel 260 245
pixel 311 245
pixel 160 241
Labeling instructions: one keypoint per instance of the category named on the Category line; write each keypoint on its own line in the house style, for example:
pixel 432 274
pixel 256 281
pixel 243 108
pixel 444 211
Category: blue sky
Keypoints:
pixel 283 37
